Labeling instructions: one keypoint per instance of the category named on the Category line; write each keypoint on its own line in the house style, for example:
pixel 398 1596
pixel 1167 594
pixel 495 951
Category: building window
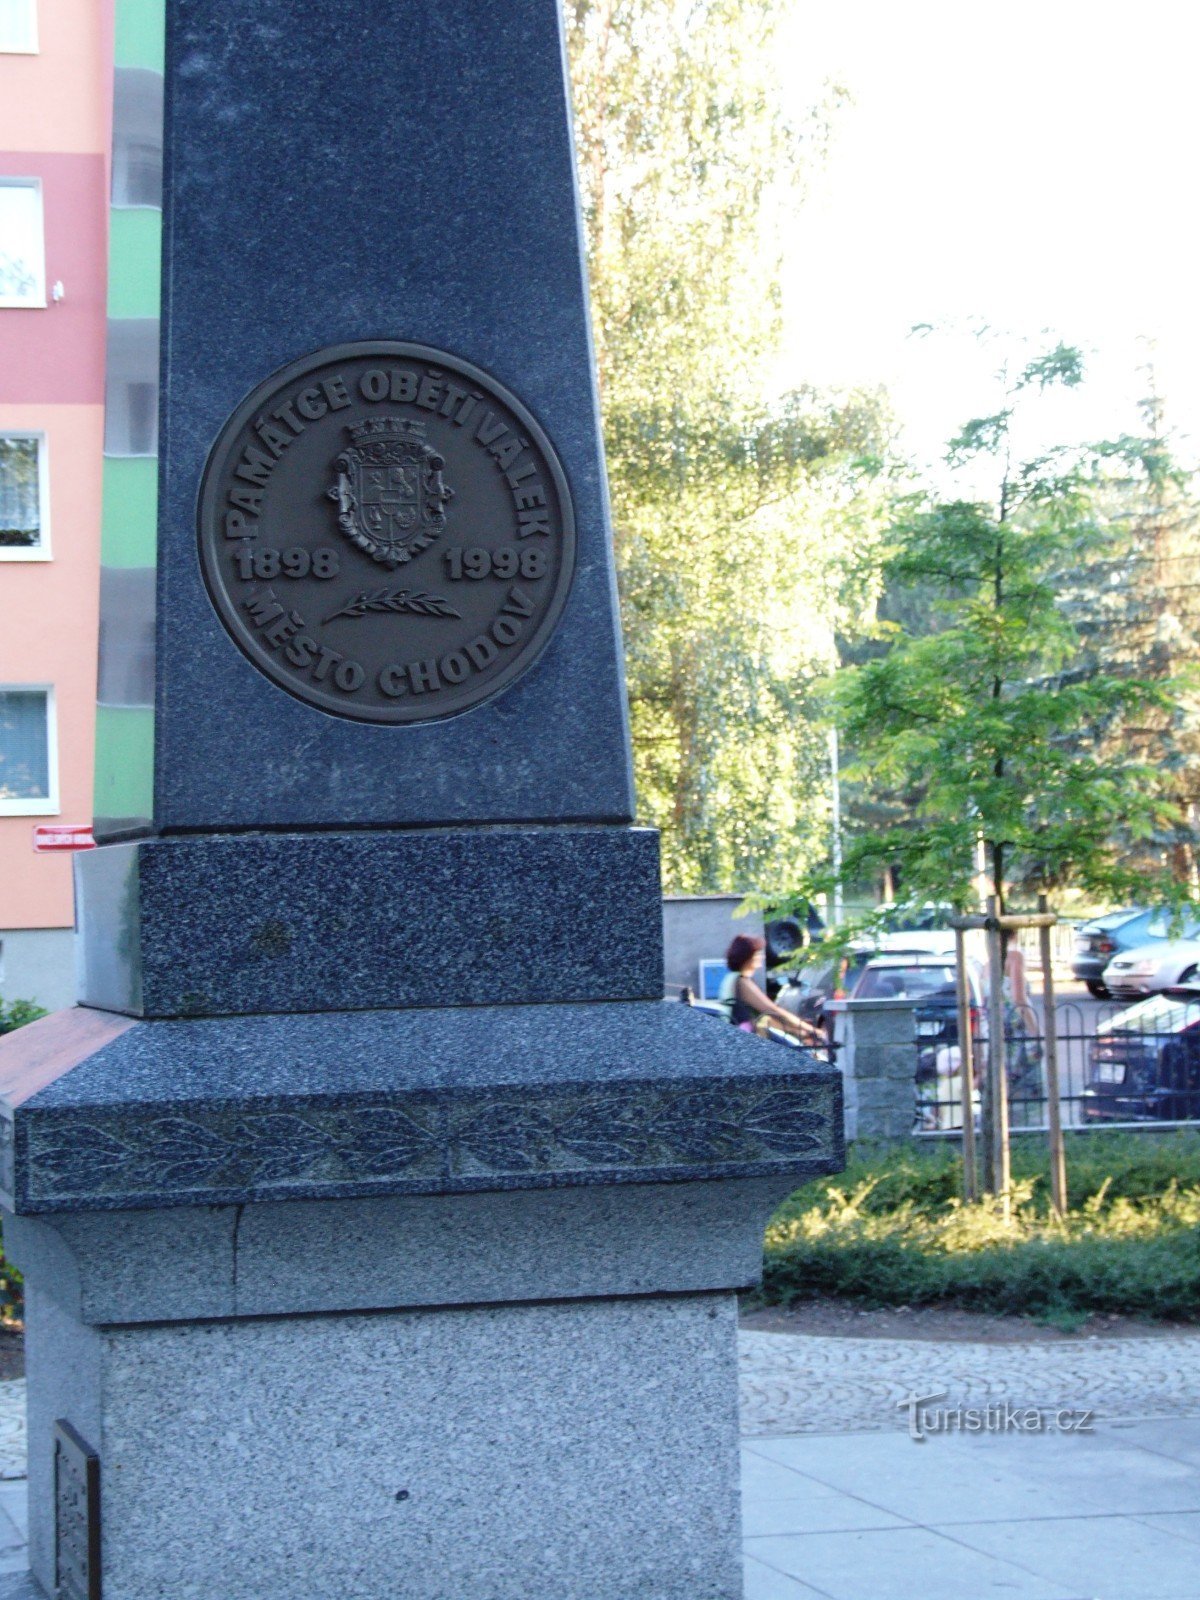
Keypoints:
pixel 18 27
pixel 22 250
pixel 131 388
pixel 137 164
pixel 24 498
pixel 28 757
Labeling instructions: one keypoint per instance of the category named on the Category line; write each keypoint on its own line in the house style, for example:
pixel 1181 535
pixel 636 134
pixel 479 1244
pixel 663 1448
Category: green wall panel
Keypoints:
pixel 134 262
pixel 124 762
pixel 129 536
pixel 140 33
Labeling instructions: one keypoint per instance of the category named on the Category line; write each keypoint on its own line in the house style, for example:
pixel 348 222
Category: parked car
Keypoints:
pixel 1151 968
pixel 807 991
pixel 903 975
pixel 935 1017
pixel 938 1074
pixel 1100 940
pixel 1144 1065
pixel 1097 942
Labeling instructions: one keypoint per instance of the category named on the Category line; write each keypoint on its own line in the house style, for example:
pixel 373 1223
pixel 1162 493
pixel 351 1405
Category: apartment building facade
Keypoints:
pixel 80 182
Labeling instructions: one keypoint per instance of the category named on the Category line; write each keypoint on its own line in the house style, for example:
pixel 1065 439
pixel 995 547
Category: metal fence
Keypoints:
pixel 1062 946
pixel 1118 1065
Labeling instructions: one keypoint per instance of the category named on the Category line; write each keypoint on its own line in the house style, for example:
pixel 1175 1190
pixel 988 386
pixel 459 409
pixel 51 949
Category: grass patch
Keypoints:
pixel 892 1230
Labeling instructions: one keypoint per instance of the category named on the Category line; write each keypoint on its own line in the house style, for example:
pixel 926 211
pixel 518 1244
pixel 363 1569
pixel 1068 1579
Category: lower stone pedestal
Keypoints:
pixel 295 1400
pixel 407 1305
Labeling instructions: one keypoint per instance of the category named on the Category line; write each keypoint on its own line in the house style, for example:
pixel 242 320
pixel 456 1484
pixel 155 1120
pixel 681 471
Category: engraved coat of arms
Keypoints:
pixel 390 493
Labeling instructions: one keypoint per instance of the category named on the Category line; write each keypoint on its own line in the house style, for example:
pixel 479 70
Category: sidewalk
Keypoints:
pixel 1114 1515
pixel 840 1503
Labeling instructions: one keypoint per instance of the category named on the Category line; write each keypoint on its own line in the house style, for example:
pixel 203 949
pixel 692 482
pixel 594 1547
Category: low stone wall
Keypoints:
pixel 878 1062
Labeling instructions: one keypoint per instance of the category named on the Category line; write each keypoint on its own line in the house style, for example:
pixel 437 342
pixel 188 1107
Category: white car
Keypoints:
pixel 916 941
pixel 1151 968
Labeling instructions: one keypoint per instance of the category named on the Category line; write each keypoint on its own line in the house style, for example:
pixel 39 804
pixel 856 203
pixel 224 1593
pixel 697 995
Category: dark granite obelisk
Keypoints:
pixel 381 1225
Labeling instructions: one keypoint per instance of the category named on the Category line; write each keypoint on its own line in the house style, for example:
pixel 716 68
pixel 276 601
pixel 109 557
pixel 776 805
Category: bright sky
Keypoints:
pixel 1032 165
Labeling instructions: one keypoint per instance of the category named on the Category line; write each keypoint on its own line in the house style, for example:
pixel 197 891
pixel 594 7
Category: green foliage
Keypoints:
pixel 979 718
pixel 892 1231
pixel 733 510
pixel 12 1292
pixel 16 1013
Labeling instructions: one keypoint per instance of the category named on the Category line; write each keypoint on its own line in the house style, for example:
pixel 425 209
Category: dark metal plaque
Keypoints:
pixel 76 1516
pixel 386 532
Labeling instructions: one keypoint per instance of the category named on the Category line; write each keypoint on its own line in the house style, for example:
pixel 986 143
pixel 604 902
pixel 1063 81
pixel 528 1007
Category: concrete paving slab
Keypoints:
pixel 823 1513
pixel 1177 1436
pixel 777 1500
pixel 764 1583
pixel 14 1500
pixel 955 1478
pixel 902 1564
pixel 940 1481
pixel 1113 1558
pixel 1182 1524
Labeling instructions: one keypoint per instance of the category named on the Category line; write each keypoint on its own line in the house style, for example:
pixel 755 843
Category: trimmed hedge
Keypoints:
pixel 891 1230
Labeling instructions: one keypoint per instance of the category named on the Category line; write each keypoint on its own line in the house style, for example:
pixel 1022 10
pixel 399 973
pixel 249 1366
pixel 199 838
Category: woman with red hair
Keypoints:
pixel 745 1004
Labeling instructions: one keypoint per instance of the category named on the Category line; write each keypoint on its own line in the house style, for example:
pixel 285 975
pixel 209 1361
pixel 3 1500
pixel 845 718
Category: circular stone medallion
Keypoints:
pixel 386 532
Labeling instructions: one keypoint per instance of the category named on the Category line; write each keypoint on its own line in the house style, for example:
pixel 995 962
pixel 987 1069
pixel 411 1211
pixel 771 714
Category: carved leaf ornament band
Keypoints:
pixel 432 1143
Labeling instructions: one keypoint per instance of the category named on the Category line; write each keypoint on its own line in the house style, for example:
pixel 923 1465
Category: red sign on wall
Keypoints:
pixel 63 836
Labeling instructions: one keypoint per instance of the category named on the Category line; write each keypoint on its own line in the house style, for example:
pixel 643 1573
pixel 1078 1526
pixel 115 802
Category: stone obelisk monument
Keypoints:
pixel 381 1224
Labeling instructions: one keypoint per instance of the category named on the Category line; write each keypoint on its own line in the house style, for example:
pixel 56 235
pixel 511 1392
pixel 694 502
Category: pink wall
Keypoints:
pixel 56 100
pixel 56 353
pixel 55 110
pixel 48 625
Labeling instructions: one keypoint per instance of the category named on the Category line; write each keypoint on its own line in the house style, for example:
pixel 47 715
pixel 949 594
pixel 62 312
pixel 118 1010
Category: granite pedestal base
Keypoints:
pixel 470 1397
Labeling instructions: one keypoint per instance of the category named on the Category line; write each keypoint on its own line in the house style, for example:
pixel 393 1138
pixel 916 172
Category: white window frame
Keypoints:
pixel 41 550
pixel 40 805
pixel 14 181
pixel 26 49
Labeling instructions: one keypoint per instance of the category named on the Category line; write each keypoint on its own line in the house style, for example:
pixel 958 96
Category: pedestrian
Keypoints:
pixel 745 1004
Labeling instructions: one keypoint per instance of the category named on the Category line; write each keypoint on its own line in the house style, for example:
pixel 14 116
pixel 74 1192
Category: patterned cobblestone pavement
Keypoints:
pixel 801 1383
pixel 12 1429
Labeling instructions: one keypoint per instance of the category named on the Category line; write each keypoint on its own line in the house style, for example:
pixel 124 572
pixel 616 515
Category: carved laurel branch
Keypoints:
pixel 325 1148
pixel 418 602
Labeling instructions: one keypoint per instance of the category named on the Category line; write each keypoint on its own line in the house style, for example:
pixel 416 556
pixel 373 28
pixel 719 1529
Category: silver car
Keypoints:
pixel 1151 968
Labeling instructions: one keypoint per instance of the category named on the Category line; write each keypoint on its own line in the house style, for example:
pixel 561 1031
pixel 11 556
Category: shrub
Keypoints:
pixel 17 1013
pixel 12 1016
pixel 891 1230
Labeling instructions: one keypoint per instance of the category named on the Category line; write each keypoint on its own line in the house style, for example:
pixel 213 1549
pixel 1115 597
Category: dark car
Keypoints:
pixel 935 1021
pixel 1098 941
pixel 1144 1065
pixel 935 1018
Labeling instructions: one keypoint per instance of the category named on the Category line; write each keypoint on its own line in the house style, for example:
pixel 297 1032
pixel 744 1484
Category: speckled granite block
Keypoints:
pixel 573 1450
pixel 21 1586
pixel 64 1369
pixel 337 922
pixel 99 1112
pixel 411 1250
